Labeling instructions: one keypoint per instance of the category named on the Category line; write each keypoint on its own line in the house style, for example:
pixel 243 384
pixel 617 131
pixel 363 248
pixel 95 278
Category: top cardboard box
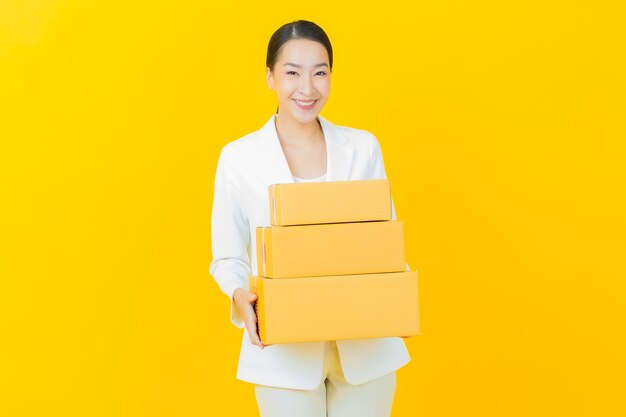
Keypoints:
pixel 329 202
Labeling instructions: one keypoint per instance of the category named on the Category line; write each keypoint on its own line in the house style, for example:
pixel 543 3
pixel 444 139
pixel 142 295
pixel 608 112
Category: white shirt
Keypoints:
pixel 318 179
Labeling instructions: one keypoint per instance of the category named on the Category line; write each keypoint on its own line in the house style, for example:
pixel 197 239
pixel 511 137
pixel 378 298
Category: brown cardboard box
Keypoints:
pixel 330 249
pixel 329 202
pixel 336 307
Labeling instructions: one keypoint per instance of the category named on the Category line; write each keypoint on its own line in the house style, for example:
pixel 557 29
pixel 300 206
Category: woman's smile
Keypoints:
pixel 305 104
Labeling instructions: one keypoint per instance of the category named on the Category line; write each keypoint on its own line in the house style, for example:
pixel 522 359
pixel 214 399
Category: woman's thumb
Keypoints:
pixel 252 297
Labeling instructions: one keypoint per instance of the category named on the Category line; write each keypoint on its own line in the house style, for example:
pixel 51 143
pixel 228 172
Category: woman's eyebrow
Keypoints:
pixel 323 64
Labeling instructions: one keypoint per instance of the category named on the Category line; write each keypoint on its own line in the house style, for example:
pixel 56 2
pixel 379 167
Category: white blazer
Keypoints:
pixel 246 167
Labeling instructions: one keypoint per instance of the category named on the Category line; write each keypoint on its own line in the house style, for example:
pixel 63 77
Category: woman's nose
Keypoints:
pixel 306 85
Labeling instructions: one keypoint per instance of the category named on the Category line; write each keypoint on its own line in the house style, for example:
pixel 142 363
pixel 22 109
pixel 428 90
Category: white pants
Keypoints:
pixel 334 397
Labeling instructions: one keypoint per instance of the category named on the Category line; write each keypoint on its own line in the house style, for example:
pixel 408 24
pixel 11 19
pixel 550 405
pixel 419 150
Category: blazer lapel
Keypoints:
pixel 273 155
pixel 338 155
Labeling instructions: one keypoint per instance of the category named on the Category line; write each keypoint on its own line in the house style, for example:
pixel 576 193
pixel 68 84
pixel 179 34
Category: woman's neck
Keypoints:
pixel 292 132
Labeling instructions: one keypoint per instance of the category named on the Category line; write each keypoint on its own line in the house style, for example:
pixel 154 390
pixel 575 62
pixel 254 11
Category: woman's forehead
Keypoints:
pixel 303 52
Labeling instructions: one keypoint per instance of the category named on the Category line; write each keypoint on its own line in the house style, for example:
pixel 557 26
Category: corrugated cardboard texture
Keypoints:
pixel 329 202
pixel 331 249
pixel 337 307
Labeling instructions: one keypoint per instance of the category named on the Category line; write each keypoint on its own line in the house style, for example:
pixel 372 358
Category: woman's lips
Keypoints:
pixel 305 104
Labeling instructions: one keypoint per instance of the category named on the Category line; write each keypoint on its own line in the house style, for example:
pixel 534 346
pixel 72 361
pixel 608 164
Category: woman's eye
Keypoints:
pixel 292 73
pixel 321 73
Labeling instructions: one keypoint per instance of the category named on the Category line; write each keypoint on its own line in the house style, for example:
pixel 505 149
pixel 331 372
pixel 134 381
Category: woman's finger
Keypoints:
pixel 254 339
pixel 252 327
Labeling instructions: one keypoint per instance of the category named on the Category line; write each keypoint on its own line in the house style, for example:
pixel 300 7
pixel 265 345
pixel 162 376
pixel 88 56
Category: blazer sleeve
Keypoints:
pixel 378 169
pixel 230 237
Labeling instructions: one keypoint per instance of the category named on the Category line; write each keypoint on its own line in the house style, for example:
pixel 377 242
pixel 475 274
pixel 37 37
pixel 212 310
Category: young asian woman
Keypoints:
pixel 296 144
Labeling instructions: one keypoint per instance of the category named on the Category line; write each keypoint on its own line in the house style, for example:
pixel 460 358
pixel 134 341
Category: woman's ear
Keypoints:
pixel 269 77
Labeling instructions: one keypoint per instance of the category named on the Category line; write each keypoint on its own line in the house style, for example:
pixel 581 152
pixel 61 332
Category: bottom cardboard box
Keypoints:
pixel 336 307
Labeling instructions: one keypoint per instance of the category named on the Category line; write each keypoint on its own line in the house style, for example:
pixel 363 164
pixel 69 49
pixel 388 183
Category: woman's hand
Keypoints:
pixel 244 303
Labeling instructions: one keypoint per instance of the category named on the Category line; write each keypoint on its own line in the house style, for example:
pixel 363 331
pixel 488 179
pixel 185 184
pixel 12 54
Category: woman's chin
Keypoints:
pixel 307 117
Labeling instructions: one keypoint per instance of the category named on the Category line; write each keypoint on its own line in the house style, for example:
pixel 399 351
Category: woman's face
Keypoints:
pixel 301 79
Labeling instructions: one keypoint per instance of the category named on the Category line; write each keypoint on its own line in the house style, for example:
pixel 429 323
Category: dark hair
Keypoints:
pixel 298 29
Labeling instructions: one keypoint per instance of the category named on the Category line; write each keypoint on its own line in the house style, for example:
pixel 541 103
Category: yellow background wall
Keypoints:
pixel 502 126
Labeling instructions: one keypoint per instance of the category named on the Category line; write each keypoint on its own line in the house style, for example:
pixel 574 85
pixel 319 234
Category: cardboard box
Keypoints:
pixel 329 202
pixel 336 307
pixel 330 249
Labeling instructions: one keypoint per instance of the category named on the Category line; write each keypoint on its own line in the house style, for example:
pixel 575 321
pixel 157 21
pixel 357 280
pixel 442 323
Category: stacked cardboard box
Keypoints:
pixel 332 265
